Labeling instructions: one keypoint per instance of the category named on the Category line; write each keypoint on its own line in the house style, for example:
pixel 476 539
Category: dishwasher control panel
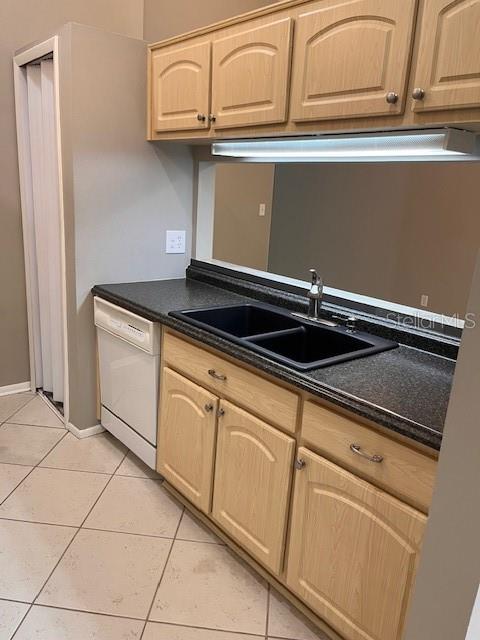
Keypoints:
pixel 128 326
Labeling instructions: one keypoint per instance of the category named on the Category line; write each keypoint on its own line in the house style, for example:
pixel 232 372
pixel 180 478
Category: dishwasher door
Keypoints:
pixel 129 360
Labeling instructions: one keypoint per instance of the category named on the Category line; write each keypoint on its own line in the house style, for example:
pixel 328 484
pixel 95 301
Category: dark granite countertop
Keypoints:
pixel 405 390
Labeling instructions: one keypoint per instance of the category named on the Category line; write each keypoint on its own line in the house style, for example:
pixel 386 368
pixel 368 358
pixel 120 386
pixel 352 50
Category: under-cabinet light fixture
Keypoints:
pixel 431 145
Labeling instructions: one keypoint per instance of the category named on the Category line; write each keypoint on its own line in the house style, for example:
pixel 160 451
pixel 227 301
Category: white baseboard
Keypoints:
pixel 85 433
pixel 20 387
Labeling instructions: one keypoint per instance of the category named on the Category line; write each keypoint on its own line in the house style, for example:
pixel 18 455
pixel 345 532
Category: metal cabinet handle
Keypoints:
pixel 209 407
pixel 220 412
pixel 391 97
pixel 356 448
pixel 217 376
pixel 418 93
pixel 201 117
pixel 300 464
pixel 211 117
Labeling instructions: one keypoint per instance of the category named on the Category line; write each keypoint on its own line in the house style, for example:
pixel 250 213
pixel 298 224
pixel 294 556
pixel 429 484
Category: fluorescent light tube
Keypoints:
pixel 422 145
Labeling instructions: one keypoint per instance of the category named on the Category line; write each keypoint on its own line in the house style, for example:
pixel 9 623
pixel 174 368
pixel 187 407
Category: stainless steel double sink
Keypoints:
pixel 279 335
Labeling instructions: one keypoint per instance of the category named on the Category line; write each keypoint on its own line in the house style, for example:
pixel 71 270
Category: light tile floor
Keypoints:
pixel 92 547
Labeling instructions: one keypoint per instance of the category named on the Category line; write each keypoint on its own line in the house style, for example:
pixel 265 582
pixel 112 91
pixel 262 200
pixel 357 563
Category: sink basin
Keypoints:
pixel 275 333
pixel 240 320
pixel 312 346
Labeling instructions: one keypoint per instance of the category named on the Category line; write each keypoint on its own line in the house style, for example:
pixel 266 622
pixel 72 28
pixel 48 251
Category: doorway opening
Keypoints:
pixel 38 133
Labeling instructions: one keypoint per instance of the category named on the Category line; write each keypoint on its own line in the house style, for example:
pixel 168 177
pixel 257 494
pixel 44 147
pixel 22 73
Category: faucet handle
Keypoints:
pixel 350 322
pixel 314 276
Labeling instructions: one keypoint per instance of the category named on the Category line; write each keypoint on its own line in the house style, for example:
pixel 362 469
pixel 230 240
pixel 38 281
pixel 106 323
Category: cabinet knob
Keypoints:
pixel 217 376
pixel 220 412
pixel 201 117
pixel 300 464
pixel 391 97
pixel 418 93
pixel 211 117
pixel 356 448
pixel 209 407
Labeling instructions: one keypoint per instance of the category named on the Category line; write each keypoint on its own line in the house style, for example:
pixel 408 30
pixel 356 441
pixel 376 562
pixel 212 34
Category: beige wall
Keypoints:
pixel 391 231
pixel 166 18
pixel 121 193
pixel 240 235
pixel 25 21
pixel 21 22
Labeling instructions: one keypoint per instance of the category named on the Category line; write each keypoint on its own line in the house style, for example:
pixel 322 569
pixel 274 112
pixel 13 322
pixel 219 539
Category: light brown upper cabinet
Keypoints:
pixel 250 73
pixel 181 87
pixel 351 59
pixel 353 551
pixel 187 437
pixel 448 67
pixel 252 483
pixel 319 66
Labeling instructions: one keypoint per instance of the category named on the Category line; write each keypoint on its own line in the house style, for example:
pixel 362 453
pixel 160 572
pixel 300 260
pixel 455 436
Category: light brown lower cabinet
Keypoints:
pixel 187 437
pixel 353 551
pixel 253 472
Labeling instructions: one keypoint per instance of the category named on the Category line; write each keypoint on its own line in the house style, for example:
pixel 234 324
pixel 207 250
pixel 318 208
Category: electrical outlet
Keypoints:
pixel 261 209
pixel 175 242
pixel 424 300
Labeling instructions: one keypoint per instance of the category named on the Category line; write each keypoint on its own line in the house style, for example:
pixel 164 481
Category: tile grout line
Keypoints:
pixel 33 468
pixel 17 410
pixel 18 464
pixel 93 613
pixel 162 574
pixel 68 545
pixel 48 524
pixel 260 636
pixel 267 617
pixel 124 617
pixel 88 528
pixel 82 526
pixel 95 473
pixel 29 424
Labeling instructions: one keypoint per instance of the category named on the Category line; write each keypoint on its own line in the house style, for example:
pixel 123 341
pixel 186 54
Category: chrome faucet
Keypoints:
pixel 315 295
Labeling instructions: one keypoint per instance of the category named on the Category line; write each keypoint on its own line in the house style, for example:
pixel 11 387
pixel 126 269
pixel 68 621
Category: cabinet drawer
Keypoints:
pixel 403 471
pixel 264 398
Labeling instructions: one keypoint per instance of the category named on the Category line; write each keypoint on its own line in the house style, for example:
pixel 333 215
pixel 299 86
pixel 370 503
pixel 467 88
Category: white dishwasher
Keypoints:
pixel 129 361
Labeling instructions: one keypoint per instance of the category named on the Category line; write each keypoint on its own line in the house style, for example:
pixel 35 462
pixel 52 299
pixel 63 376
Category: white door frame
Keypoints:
pixel 35 52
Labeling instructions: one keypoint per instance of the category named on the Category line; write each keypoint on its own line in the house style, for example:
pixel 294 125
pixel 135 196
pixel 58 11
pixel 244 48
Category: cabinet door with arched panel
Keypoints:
pixel 353 550
pixel 447 74
pixel 181 87
pixel 253 472
pixel 250 73
pixel 351 59
pixel 186 437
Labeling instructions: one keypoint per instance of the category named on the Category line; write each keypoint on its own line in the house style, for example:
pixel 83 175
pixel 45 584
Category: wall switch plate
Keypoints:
pixel 424 300
pixel 175 242
pixel 261 209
